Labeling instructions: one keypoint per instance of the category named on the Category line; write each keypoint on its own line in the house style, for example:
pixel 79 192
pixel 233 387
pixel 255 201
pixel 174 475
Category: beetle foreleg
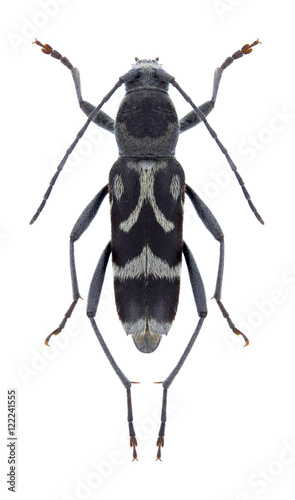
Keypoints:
pixel 102 119
pixel 192 119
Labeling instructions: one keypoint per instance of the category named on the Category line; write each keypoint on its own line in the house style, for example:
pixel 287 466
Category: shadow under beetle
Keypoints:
pixel 147 189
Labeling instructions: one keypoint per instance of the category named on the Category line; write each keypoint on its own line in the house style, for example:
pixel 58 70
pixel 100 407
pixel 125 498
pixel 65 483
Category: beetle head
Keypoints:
pixel 146 73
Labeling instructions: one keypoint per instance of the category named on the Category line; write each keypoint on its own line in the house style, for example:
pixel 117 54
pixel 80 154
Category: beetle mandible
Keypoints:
pixel 146 190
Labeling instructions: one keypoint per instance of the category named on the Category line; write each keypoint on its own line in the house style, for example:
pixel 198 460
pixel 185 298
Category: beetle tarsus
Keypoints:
pixel 230 323
pixel 133 444
pixel 238 332
pixel 65 319
pixel 56 332
pixel 246 49
pixel 160 444
pixel 46 49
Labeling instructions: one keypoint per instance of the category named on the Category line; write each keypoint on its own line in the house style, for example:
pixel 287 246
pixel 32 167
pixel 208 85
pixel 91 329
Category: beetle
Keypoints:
pixel 146 190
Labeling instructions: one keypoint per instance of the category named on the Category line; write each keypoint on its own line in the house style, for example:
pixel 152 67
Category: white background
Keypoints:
pixel 230 431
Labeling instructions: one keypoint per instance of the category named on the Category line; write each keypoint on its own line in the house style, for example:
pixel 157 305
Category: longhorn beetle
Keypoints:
pixel 146 189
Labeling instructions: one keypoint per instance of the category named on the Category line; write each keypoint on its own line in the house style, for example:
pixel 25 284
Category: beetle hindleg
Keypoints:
pixel 212 225
pixel 93 300
pixel 200 300
pixel 81 225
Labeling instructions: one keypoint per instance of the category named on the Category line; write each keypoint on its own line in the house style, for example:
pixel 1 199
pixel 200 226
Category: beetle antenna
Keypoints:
pixel 213 134
pixel 70 149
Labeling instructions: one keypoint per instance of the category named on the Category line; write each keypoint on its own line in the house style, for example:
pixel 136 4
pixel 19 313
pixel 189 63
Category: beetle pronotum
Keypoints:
pixel 147 190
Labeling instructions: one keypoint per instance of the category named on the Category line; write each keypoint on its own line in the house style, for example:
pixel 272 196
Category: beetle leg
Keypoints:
pixel 212 225
pixel 102 119
pixel 192 119
pixel 93 300
pixel 200 300
pixel 81 225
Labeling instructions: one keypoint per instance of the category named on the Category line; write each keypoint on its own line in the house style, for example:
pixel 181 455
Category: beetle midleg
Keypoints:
pixel 212 225
pixel 93 300
pixel 200 300
pixel 81 225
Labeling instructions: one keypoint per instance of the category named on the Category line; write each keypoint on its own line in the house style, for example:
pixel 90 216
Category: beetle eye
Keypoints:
pixel 157 59
pixel 136 59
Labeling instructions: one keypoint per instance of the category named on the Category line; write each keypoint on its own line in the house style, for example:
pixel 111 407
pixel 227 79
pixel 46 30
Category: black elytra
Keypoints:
pixel 147 190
